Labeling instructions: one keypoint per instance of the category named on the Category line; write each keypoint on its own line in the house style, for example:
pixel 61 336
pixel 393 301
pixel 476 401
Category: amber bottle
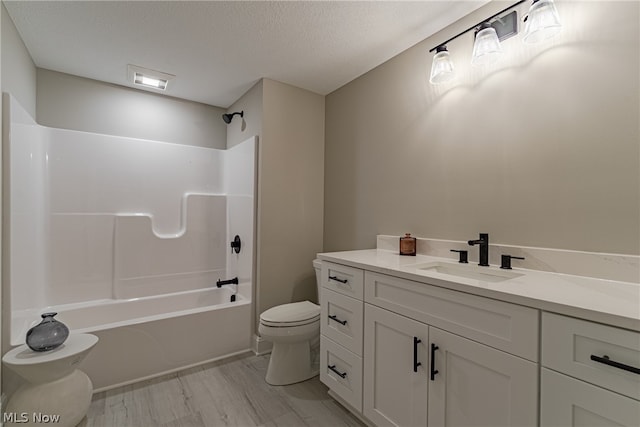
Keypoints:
pixel 408 245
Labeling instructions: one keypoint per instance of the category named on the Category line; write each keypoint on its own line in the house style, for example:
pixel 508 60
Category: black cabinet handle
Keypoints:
pixel 340 374
pixel 338 280
pixel 605 359
pixel 416 341
pixel 334 317
pixel 433 361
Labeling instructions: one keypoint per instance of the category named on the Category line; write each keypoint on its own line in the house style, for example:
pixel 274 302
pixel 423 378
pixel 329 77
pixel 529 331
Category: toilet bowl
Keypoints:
pixel 294 330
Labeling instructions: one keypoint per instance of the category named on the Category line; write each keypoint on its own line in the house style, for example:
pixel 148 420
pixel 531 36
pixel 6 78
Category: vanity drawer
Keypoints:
pixel 342 320
pixel 343 279
pixel 569 344
pixel 508 327
pixel 341 371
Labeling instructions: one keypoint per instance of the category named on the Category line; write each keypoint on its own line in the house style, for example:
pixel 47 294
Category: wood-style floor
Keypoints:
pixel 231 392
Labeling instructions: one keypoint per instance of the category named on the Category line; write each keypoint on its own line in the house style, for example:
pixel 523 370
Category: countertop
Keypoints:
pixel 604 301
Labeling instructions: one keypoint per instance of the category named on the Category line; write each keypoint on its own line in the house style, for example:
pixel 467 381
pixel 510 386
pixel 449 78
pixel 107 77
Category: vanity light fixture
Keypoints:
pixel 541 23
pixel 148 79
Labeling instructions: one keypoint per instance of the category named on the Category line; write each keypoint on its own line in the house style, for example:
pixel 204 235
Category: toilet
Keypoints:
pixel 294 330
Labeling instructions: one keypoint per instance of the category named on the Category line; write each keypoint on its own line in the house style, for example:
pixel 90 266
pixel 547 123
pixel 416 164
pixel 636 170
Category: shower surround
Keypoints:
pixel 125 238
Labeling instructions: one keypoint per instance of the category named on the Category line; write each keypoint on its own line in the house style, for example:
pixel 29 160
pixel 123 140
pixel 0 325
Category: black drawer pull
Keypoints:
pixel 340 374
pixel 605 359
pixel 334 317
pixel 416 341
pixel 434 371
pixel 338 280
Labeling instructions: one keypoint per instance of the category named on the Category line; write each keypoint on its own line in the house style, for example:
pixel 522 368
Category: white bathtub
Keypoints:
pixel 144 337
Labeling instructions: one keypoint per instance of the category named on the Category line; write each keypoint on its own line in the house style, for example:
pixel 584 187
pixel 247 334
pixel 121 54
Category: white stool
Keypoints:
pixel 54 386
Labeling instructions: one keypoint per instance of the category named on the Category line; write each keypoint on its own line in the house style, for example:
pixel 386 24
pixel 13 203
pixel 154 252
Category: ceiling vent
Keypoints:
pixel 148 79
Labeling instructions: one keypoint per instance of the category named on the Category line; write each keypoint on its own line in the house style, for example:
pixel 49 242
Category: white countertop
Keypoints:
pixel 605 301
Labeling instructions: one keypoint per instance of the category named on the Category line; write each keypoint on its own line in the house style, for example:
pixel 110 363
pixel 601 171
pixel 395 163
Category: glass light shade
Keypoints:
pixel 487 48
pixel 441 68
pixel 543 22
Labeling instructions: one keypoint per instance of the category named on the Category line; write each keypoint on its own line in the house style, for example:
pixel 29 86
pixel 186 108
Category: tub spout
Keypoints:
pixel 233 281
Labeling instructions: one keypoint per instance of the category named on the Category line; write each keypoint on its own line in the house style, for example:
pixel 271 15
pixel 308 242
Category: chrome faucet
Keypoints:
pixel 483 241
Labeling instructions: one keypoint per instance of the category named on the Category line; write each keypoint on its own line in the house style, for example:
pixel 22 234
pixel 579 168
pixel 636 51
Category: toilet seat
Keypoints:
pixel 290 315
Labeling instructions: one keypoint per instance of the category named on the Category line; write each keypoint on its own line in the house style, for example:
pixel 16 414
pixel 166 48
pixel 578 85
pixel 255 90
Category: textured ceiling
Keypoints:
pixel 218 49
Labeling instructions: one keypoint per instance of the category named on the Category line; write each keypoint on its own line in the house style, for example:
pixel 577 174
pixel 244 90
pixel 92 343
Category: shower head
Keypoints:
pixel 228 117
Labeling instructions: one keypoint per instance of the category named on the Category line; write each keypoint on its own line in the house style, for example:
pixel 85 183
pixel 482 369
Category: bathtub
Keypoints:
pixel 141 338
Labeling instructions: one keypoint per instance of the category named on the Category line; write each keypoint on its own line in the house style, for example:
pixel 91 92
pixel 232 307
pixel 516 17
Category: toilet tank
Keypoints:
pixel 317 266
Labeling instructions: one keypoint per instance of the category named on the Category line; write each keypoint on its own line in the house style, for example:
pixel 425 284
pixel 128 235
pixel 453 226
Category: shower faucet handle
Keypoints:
pixel 236 244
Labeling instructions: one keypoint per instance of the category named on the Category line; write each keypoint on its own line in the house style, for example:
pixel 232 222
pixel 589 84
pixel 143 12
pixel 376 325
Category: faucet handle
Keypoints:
pixel 506 261
pixel 463 256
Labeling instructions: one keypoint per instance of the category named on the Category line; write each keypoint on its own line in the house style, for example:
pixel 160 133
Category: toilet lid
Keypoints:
pixel 293 314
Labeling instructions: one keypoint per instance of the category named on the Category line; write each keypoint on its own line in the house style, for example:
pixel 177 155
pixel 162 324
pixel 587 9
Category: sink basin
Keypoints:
pixel 469 271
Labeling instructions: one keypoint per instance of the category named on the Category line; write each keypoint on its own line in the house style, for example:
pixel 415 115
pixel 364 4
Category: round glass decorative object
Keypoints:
pixel 48 334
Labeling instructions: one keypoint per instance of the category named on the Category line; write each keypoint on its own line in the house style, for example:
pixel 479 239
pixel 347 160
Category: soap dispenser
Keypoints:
pixel 408 245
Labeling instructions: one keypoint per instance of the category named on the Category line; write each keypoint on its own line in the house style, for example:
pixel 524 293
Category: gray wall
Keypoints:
pixel 71 102
pixel 251 124
pixel 18 69
pixel 290 124
pixel 291 194
pixel 542 150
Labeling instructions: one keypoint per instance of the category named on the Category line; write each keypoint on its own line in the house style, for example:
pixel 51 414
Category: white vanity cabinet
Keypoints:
pixel 418 374
pixel 421 349
pixel 590 374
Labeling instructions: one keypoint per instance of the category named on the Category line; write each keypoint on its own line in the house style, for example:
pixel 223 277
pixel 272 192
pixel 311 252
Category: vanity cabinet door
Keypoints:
pixel 395 369
pixel 568 402
pixel 476 385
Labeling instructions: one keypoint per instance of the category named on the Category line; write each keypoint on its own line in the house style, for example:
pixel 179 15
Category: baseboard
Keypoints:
pixel 169 371
pixel 261 346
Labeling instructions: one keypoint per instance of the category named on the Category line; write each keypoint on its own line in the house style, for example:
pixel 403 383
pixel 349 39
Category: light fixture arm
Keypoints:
pixel 476 26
